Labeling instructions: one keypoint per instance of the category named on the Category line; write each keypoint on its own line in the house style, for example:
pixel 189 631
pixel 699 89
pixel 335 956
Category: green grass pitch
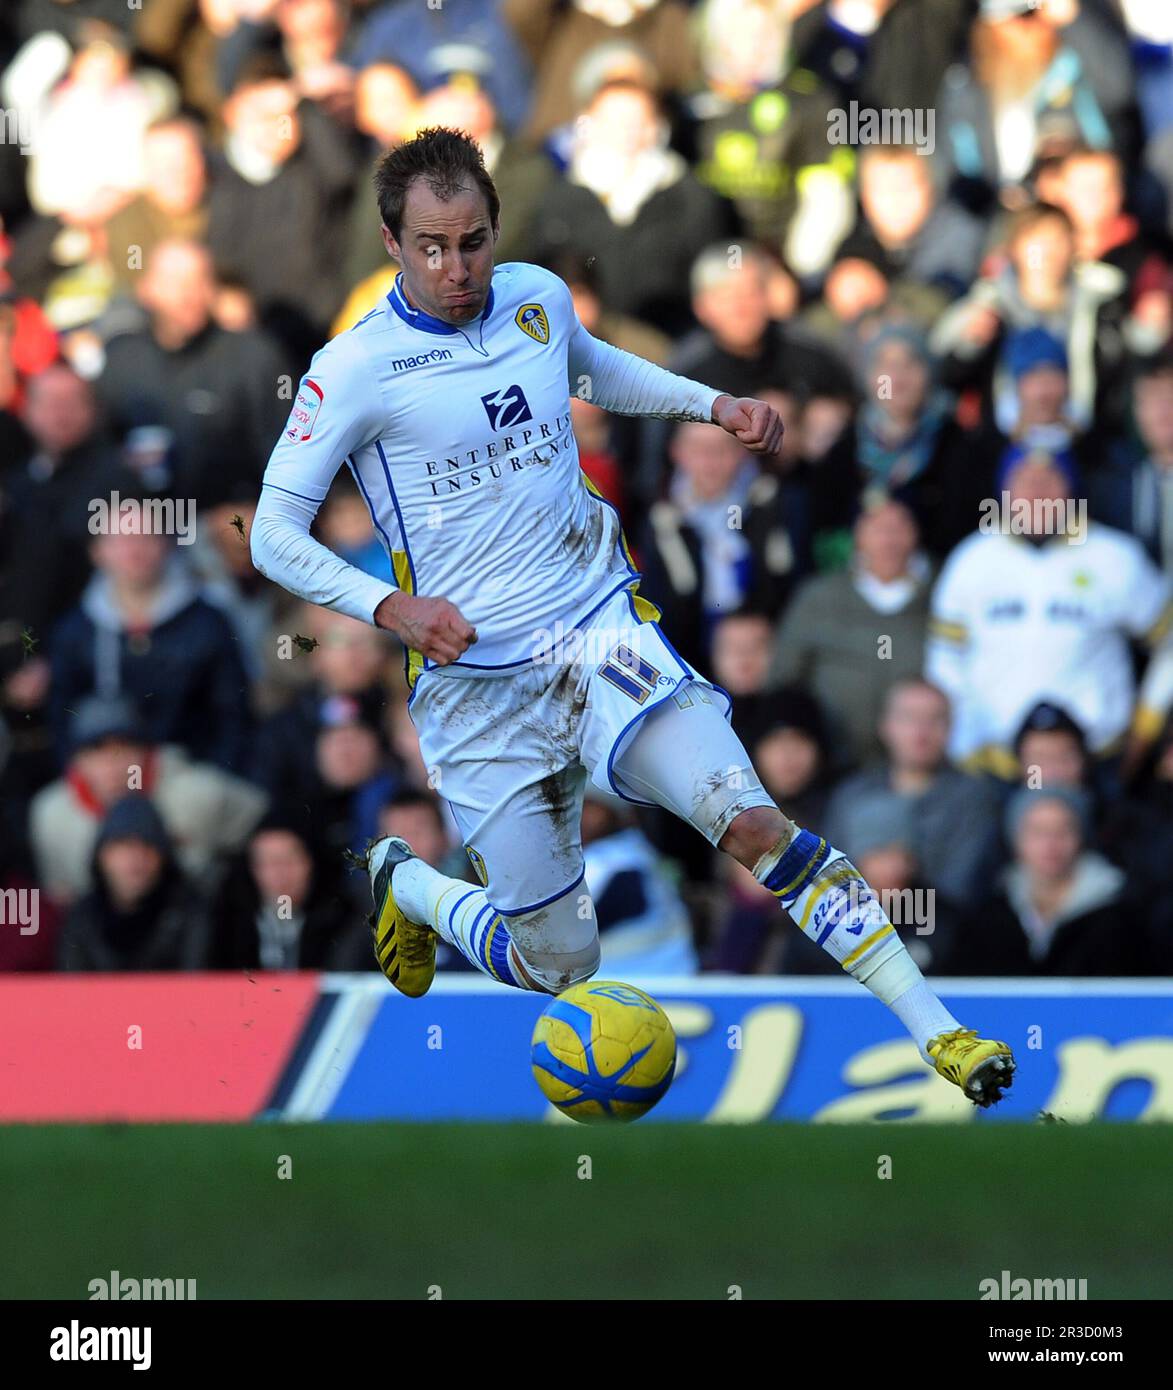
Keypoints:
pixel 501 1211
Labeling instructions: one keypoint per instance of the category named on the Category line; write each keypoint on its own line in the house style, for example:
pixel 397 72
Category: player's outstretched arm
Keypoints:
pixel 429 625
pixel 755 424
pixel 625 384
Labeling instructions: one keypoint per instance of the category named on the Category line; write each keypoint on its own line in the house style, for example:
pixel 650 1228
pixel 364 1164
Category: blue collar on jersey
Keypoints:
pixel 418 318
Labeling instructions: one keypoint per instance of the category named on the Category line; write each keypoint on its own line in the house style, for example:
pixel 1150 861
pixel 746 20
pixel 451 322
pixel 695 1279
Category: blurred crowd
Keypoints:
pixel 963 312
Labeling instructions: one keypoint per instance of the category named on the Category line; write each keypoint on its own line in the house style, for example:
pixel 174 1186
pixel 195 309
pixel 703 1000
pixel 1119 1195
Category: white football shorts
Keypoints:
pixel 511 752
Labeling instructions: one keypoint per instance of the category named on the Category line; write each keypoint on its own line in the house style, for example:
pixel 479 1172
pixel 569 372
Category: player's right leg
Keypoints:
pixel 504 751
pixel 532 923
pixel 547 948
pixel 415 904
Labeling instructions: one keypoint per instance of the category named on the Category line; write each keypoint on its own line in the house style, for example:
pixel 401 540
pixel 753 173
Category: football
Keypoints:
pixel 603 1051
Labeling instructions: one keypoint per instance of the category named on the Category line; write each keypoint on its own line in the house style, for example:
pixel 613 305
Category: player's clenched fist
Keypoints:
pixel 429 625
pixel 754 424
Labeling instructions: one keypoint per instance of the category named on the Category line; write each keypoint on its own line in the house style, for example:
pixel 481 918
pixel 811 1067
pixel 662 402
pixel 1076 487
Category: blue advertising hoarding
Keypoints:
pixel 750 1049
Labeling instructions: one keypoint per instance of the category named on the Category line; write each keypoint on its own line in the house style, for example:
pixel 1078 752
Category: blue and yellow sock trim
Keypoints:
pixel 803 858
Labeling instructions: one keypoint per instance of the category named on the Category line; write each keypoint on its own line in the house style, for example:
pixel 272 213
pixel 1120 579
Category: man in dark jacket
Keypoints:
pixel 141 629
pixel 1061 909
pixel 142 914
pixel 44 500
pixel 282 907
pixel 281 195
pixel 726 537
pixel 211 398
pixel 1134 490
pixel 633 203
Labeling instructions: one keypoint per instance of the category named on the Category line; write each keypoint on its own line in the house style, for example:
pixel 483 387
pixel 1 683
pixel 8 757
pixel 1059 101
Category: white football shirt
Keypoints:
pixel 460 441
pixel 1015 623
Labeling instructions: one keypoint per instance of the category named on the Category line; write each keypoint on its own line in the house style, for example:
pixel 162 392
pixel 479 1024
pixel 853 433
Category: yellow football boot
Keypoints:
pixel 405 950
pixel 983 1069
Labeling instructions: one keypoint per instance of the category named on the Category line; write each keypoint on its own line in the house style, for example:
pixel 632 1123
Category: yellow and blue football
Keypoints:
pixel 603 1051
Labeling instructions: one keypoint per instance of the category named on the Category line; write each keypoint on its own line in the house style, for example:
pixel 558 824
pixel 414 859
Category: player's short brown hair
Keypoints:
pixel 448 159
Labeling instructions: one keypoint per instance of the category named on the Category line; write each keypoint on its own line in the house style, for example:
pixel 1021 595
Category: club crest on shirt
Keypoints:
pixel 478 865
pixel 531 319
pixel 305 411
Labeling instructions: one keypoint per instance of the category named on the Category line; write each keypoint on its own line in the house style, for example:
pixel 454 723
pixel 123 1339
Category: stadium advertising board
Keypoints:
pixel 347 1047
pixel 749 1049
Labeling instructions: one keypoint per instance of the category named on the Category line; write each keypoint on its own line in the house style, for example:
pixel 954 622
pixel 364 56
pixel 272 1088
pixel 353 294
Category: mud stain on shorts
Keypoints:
pixel 558 803
pixel 553 721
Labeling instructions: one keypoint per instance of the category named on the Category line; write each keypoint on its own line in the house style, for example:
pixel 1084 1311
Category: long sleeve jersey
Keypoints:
pixel 460 441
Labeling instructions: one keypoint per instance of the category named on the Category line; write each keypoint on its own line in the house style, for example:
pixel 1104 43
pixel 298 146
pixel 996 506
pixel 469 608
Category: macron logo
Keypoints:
pixel 407 364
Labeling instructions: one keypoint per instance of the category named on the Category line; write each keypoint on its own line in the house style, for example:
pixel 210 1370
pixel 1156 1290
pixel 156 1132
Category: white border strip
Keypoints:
pixel 780 985
pixel 333 1055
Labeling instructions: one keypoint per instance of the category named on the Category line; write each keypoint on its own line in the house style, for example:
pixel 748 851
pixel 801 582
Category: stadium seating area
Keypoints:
pixel 936 234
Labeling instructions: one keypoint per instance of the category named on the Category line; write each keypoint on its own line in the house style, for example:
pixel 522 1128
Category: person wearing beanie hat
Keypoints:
pixel 134 818
pixel 878 822
pixel 1037 363
pixel 1017 456
pixel 102 717
pixel 1051 748
pixel 1060 908
pixel 1075 799
pixel 1028 349
pixel 143 913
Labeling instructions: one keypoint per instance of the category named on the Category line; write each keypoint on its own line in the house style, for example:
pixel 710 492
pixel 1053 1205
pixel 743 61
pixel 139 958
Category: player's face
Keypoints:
pixel 446 251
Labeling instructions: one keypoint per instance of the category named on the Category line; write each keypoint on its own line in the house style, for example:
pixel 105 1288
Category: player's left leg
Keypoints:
pixel 686 758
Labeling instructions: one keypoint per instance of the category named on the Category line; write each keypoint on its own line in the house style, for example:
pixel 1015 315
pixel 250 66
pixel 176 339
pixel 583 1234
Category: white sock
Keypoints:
pixel 899 984
pixel 420 891
pixel 460 913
